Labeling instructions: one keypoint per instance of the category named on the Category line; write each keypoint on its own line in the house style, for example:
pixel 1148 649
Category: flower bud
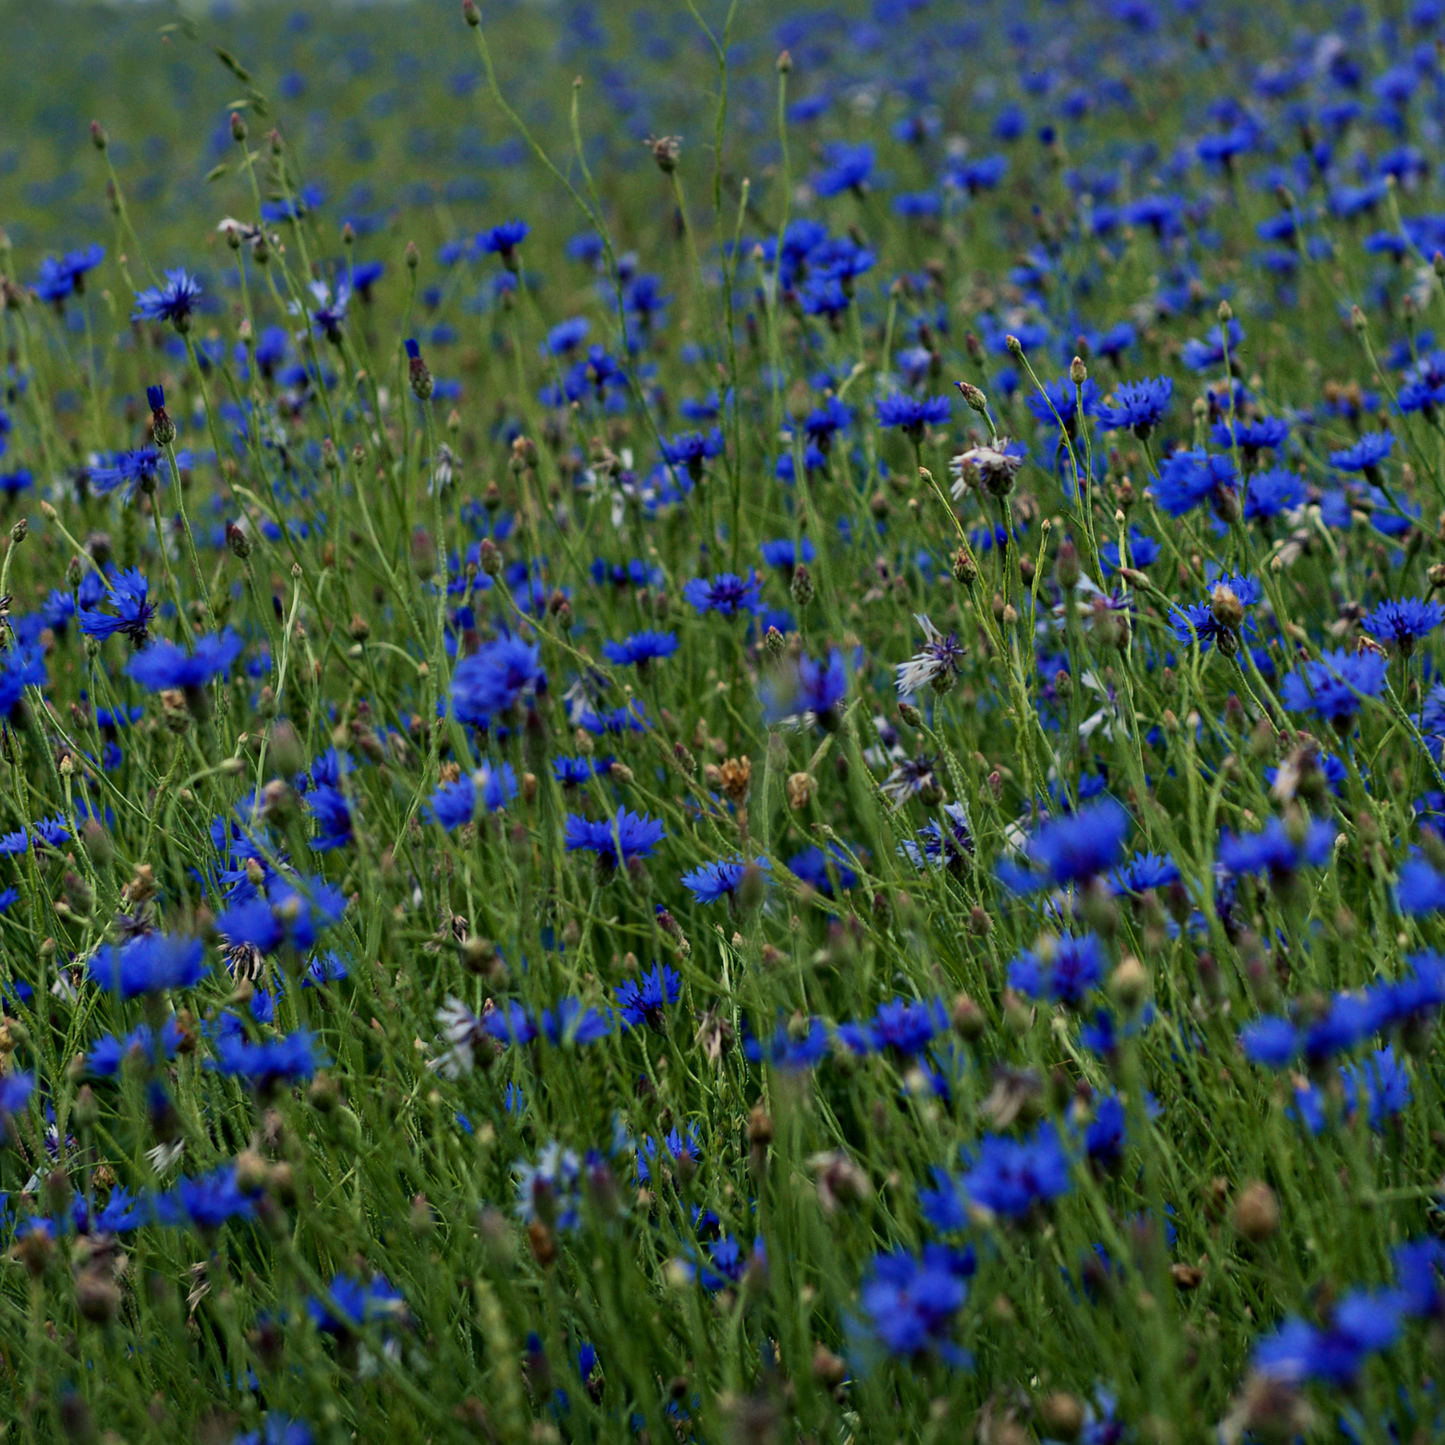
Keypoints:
pixel 238 128
pixel 1078 372
pixel 1226 607
pixel 973 396
pixel 471 14
pixel 1256 1212
pixel 802 585
pixel 775 642
pixel 965 573
pixel 98 137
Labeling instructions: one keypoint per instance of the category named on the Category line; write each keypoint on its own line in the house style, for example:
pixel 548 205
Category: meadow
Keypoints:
pixel 722 724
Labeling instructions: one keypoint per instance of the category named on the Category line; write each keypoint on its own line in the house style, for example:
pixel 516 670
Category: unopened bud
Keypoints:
pixel 471 14
pixel 973 396
pixel 1078 372
pixel 785 63
pixel 238 128
pixel 1256 1212
pixel 1226 608
pixel 802 585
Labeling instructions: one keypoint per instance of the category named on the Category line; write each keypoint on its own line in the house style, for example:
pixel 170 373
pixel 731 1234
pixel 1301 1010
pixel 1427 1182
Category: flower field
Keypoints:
pixel 722 725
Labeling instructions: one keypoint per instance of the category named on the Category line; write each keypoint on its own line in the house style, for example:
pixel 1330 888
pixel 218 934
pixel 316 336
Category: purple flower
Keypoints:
pixel 822 684
pixel 1336 686
pixel 1405 622
pixel 1274 850
pixel 1012 1176
pixel 912 1301
pixel 454 805
pixel 1075 967
pixel 504 239
pixel 1138 405
pixel 904 1026
pixel 641 648
pixel 265 1066
pixel 1071 849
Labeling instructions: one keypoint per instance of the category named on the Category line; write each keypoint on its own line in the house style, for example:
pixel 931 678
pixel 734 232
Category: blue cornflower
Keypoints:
pixel 1336 686
pixel 1420 888
pixel 819 426
pixel 149 964
pixel 913 414
pixel 1143 872
pixel 46 833
pixel 906 1026
pixel 681 1149
pixel 17 481
pixel 1138 406
pixel 68 271
pixel 163 665
pixel 1201 355
pixel 510 1023
pixel 173 302
pixel 329 315
pixel 1071 849
pixel 571 1022
pixel 1012 1176
pixel 348 1304
pixel 325 968
pixel 294 914
pixel 691 449
pixel 129 594
pixel 912 1301
pixel 1271 1041
pixel 207 1201
pixel 849 167
pixel 1104 1138
pixel 822 684
pixel 495 678
pixel 1200 621
pixel 1275 851
pixel 1362 1324
pixel 825 296
pixel 812 864
pixel 1403 623
pixel 643 1002
pixel 1056 404
pixel 566 336
pixel 20 667
pixel 790 1049
pixel 640 649
pixel 454 805
pixel 1366 454
pixel 1379 1085
pixel 278 1430
pixel 573 772
pixel 130 472
pixel 551 1188
pixel 266 1066
pixel 503 240
pixel 332 811
pixel 1066 975
pixel 783 554
pixel 726 594
pixel 634 835
pixel 16 1089
pixel 1189 479
pixel 1273 492
pixel 105 1056
pixel 1251 437
pixel 712 882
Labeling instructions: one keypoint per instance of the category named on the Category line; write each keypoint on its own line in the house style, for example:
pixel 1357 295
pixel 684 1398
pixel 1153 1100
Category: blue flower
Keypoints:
pixel 1273 492
pixel 278 1430
pixel 267 1065
pixel 1067 975
pixel 712 882
pixel 571 1022
pixel 641 648
pixel 207 1201
pixel 812 864
pixel 454 805
pixel 726 594
pixel 1105 1136
pixel 1189 479
pixel 788 1049
pixel 1145 871
pixel 16 1089
pixel 1363 1323
pixel 20 667
pixel 1366 454
pixel 332 812
pixel 348 1304
pixel 1201 355
pixel 504 239
pixel 913 414
pixel 149 964
pixel 173 302
pixel 132 471
pixel 634 835
pixel 822 684
pixel 849 167
pixel 129 594
pixel 1056 404
pixel 905 1026
pixel 1379 1084
pixel 911 1301
pixel 644 1002
pixel 105 1056
pixel 1271 1041
pixel 510 1023
pixel 1071 849
pixel 1138 405
pixel 294 913
pixel 783 554
pixel 1013 1176
pixel 1336 686
pixel 1275 851
pixel 1420 888
pixel 163 665
pixel 1405 622
pixel 495 678
pixel 1251 437
pixel 691 449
